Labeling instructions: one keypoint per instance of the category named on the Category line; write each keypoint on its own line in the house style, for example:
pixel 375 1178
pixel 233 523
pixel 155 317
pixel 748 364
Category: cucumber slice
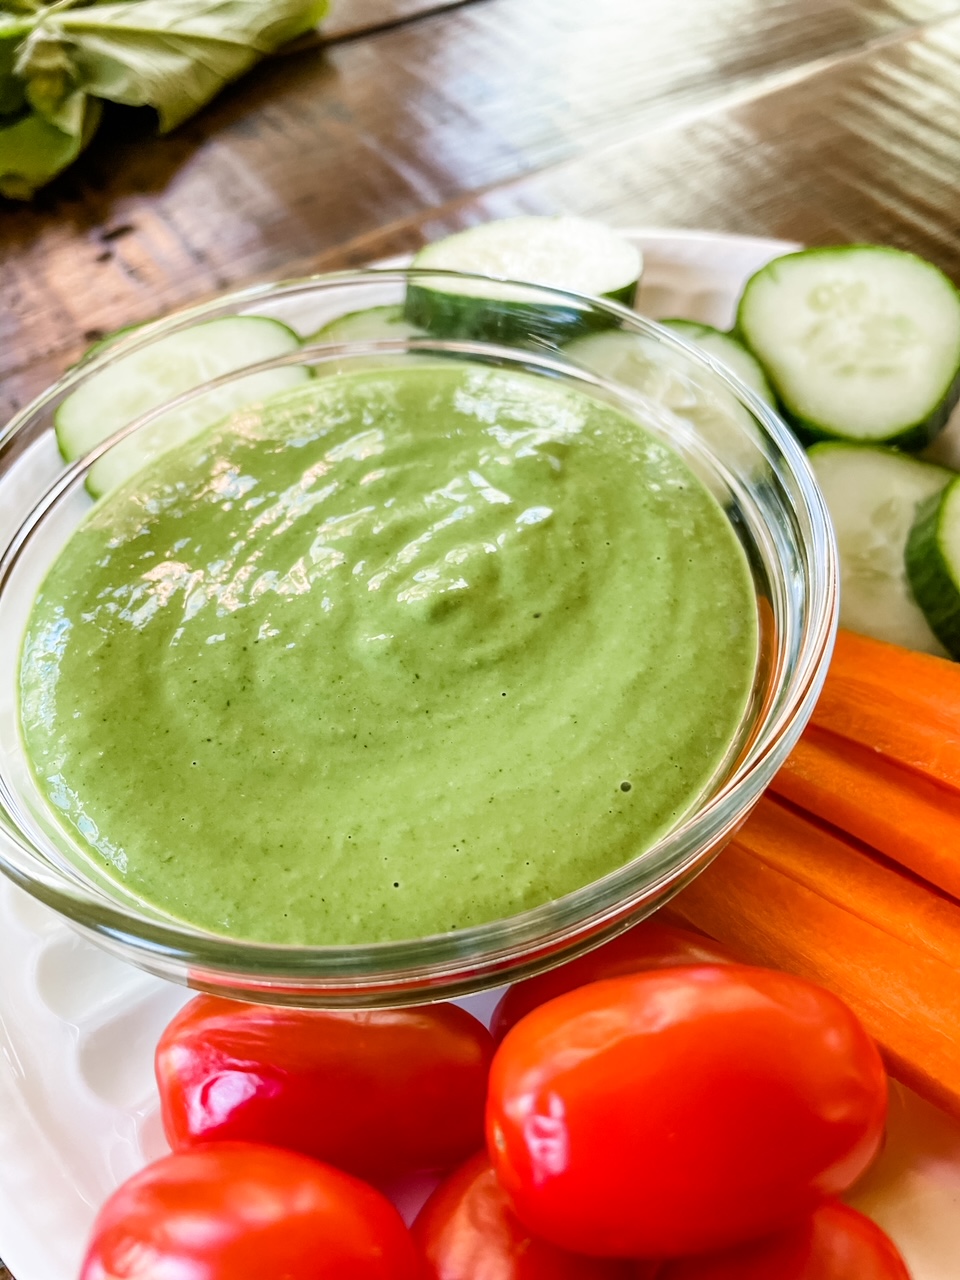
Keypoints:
pixel 107 340
pixel 725 348
pixel 561 253
pixel 873 494
pixel 861 343
pixel 666 378
pixel 933 564
pixel 145 379
pixel 369 325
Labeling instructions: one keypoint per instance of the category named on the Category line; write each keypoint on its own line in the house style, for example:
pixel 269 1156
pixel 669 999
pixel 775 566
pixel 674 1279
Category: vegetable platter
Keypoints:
pixel 78 1106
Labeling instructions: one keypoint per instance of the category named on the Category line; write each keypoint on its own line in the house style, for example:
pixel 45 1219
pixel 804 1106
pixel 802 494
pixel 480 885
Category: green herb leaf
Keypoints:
pixel 173 55
pixel 32 150
pixel 45 66
pixel 58 59
pixel 12 89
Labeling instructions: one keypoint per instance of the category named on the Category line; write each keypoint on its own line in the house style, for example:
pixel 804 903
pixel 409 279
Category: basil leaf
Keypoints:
pixel 58 59
pixel 12 89
pixel 44 64
pixel 173 55
pixel 13 92
pixel 32 151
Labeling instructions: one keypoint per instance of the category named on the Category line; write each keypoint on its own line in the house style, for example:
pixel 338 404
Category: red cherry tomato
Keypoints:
pixel 834 1243
pixel 652 944
pixel 378 1093
pixel 682 1110
pixel 467 1231
pixel 236 1211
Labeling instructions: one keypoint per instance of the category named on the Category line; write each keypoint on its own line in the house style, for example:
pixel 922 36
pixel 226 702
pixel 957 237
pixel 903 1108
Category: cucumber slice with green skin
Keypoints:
pixel 668 379
pixel 148 378
pixel 873 494
pixel 369 325
pixel 560 253
pixel 933 564
pixel 728 350
pixel 107 340
pixel 861 343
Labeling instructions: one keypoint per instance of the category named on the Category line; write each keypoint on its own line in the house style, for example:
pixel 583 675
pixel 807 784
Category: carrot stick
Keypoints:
pixel 901 814
pixel 900 704
pixel 788 895
pixel 848 876
pixel 927 681
pixel 891 726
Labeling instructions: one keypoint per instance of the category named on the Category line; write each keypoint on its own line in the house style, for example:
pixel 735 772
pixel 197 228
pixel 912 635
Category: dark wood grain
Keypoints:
pixel 309 160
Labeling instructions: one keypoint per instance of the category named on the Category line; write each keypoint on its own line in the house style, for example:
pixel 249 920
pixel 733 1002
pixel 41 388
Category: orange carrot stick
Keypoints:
pixel 928 681
pixel 901 814
pixel 900 704
pixel 925 680
pixel 788 895
pixel 846 874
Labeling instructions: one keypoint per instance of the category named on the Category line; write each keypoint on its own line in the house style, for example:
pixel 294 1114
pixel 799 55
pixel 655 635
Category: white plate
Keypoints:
pixel 78 1111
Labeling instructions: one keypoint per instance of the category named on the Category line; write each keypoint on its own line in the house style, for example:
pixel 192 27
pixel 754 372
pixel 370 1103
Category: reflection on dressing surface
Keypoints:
pixel 378 660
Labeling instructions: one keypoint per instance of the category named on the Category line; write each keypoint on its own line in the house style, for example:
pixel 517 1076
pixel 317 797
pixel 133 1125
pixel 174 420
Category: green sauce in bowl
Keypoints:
pixel 400 652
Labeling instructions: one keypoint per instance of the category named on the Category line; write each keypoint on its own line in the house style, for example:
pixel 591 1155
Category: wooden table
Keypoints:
pixel 817 120
pixel 822 120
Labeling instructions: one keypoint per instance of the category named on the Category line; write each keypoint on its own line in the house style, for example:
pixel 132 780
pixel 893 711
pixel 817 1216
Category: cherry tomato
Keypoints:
pixel 378 1093
pixel 467 1231
pixel 652 944
pixel 682 1110
pixel 834 1243
pixel 236 1211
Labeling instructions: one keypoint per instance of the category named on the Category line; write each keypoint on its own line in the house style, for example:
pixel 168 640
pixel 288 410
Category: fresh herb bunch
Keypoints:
pixel 59 61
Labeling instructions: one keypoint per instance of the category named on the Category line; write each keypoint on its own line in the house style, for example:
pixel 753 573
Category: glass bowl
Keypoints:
pixel 735 443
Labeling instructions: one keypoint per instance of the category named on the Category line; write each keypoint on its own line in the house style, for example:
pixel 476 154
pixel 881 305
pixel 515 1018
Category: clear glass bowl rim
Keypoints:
pixel 499 945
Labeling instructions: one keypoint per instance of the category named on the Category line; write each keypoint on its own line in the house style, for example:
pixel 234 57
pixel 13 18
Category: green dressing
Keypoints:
pixel 397 653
